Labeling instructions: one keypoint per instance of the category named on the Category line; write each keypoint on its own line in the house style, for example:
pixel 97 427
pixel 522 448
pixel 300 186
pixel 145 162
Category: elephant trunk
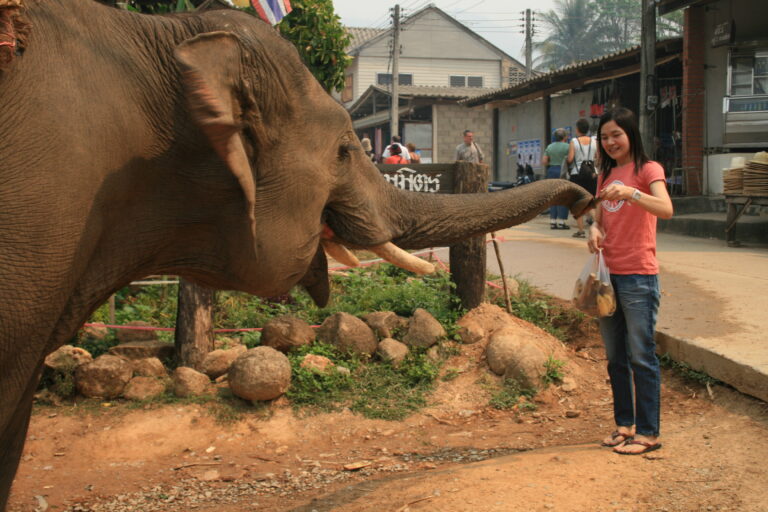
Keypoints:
pixel 419 220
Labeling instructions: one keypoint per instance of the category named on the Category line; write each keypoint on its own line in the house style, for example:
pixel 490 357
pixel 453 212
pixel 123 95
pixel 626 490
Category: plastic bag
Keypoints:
pixel 593 293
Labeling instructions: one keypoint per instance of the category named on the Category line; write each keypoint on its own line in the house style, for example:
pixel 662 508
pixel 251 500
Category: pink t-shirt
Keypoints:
pixel 629 246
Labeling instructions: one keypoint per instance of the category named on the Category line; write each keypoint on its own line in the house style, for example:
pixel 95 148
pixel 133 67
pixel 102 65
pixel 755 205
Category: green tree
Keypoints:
pixel 617 24
pixel 580 30
pixel 570 39
pixel 316 31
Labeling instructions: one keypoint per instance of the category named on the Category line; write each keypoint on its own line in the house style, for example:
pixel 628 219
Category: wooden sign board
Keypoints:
pixel 429 178
pixel 723 34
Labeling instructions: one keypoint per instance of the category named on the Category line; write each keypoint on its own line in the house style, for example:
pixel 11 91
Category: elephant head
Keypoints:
pixel 307 185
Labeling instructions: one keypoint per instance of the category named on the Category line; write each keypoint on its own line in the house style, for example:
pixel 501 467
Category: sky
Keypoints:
pixel 498 21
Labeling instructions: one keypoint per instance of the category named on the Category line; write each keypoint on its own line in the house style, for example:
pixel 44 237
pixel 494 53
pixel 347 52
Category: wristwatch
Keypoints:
pixel 635 196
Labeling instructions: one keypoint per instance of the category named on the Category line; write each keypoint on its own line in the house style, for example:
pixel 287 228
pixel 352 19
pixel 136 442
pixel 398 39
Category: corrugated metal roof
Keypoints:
pixel 433 91
pixel 565 70
pixel 359 35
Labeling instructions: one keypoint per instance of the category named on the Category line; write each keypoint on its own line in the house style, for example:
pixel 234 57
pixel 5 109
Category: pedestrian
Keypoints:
pixel 365 142
pixel 415 157
pixel 395 157
pixel 553 161
pixel 396 141
pixel 582 148
pixel 469 151
pixel 633 194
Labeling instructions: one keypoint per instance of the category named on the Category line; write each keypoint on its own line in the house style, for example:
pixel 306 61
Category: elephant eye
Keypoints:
pixel 345 149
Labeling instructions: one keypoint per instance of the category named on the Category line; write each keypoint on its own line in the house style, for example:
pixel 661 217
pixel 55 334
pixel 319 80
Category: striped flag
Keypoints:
pixel 272 11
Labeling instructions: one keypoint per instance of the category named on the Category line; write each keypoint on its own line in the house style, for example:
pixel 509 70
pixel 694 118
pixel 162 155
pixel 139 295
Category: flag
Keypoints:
pixel 272 11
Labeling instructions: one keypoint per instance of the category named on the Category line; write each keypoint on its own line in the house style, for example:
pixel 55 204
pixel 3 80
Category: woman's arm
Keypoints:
pixel 545 161
pixel 656 203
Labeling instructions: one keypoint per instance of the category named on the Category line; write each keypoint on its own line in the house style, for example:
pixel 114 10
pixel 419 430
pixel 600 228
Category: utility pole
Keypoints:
pixel 394 112
pixel 528 45
pixel 648 98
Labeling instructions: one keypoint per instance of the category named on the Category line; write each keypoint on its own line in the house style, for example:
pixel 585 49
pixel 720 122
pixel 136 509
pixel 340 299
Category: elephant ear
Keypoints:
pixel 210 70
pixel 14 30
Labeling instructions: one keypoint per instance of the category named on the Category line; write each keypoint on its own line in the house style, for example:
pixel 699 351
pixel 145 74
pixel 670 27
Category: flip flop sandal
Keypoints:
pixel 649 447
pixel 614 442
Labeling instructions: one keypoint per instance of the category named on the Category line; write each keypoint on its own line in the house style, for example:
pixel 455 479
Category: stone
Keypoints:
pixel 95 331
pixel 569 385
pixel 189 382
pixel 392 350
pixel 104 377
pixel 149 367
pixel 470 331
pixel 128 335
pixel 217 362
pixel 423 330
pixel 433 353
pixel 262 373
pixel 385 324
pixel 144 388
pixel 348 333
pixel 285 333
pixel 66 358
pixel 516 356
pixel 143 349
pixel 316 362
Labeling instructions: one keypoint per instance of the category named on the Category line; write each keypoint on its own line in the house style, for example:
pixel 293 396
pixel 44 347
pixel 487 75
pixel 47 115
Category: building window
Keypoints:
pixel 475 81
pixel 748 77
pixel 386 78
pixel 346 93
pixel 466 81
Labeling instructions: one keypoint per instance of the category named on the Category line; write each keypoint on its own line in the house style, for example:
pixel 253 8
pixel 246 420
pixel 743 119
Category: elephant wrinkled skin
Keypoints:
pixel 196 145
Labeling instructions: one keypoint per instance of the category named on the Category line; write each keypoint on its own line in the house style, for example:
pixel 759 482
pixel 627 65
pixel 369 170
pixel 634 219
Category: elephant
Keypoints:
pixel 192 144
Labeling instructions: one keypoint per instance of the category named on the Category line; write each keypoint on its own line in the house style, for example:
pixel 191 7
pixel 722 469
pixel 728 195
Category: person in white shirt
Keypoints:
pixel 582 148
pixel 403 150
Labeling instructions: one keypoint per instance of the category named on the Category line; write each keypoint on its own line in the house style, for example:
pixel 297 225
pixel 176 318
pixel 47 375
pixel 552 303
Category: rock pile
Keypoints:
pixel 133 369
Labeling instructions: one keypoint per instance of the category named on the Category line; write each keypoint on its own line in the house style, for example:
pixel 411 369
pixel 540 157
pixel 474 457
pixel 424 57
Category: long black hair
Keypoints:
pixel 627 121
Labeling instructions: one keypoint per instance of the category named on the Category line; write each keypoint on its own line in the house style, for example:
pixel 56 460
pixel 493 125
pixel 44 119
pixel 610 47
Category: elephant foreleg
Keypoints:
pixel 12 437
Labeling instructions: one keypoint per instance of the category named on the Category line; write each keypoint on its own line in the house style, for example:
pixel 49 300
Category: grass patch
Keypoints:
pixel 375 390
pixel 688 373
pixel 512 396
pixel 553 373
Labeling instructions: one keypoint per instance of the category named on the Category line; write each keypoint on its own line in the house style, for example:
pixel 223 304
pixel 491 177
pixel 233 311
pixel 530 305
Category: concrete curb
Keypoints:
pixel 742 376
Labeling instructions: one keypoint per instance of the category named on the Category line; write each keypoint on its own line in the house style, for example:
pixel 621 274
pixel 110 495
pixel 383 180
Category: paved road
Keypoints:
pixel 714 308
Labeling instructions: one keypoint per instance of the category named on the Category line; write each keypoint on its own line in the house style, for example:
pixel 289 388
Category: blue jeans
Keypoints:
pixel 556 212
pixel 631 351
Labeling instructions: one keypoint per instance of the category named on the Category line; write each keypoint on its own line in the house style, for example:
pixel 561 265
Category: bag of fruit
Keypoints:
pixel 593 293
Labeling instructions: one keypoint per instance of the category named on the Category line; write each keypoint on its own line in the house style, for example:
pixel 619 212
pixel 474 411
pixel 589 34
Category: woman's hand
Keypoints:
pixel 596 236
pixel 616 192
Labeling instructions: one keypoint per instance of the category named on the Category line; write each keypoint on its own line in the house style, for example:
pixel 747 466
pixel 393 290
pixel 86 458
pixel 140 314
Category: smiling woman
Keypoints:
pixel 633 193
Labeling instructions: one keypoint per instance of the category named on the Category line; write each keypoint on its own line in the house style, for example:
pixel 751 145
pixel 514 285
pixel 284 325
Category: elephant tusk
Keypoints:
pixel 340 253
pixel 402 259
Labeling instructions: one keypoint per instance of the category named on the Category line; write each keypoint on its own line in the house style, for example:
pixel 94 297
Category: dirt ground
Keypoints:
pixel 459 454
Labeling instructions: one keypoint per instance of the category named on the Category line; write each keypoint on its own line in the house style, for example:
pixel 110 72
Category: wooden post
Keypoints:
pixel 194 324
pixel 468 257
pixel 503 276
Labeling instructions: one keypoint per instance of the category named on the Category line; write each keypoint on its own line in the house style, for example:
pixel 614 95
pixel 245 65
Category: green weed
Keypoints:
pixel 688 373
pixel 553 371
pixel 512 395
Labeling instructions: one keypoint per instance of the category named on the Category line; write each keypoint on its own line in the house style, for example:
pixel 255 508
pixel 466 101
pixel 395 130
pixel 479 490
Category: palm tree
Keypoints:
pixel 571 36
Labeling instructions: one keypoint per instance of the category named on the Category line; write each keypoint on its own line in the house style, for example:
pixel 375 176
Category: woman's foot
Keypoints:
pixel 638 446
pixel 579 234
pixel 552 225
pixel 564 226
pixel 617 437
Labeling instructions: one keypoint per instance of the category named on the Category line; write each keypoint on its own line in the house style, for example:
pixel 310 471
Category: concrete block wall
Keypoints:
pixel 450 121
